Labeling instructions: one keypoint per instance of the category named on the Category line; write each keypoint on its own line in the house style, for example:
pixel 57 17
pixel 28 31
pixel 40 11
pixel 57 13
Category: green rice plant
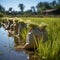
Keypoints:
pixel 24 34
pixel 51 48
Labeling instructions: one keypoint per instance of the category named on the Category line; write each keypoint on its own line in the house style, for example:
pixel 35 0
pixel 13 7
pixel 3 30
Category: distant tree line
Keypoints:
pixel 41 6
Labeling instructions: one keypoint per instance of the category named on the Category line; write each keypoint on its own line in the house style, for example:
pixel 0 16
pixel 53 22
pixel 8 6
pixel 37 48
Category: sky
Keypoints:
pixel 14 3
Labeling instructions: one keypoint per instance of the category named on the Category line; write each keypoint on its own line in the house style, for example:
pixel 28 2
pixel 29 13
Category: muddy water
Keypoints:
pixel 7 51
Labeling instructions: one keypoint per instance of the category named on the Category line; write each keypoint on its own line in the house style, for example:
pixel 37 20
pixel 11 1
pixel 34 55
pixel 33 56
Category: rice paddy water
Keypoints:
pixel 7 51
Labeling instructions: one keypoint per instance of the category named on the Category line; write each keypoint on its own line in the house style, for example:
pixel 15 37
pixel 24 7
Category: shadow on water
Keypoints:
pixel 7 51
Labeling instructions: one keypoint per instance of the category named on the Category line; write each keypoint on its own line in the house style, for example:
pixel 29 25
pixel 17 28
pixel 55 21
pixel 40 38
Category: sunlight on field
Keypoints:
pixel 39 20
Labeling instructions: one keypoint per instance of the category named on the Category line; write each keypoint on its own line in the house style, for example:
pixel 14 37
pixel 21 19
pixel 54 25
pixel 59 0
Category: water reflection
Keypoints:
pixel 7 48
pixel 31 55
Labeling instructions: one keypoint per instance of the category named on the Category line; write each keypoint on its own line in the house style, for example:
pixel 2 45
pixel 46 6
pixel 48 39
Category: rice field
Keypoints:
pixel 50 50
